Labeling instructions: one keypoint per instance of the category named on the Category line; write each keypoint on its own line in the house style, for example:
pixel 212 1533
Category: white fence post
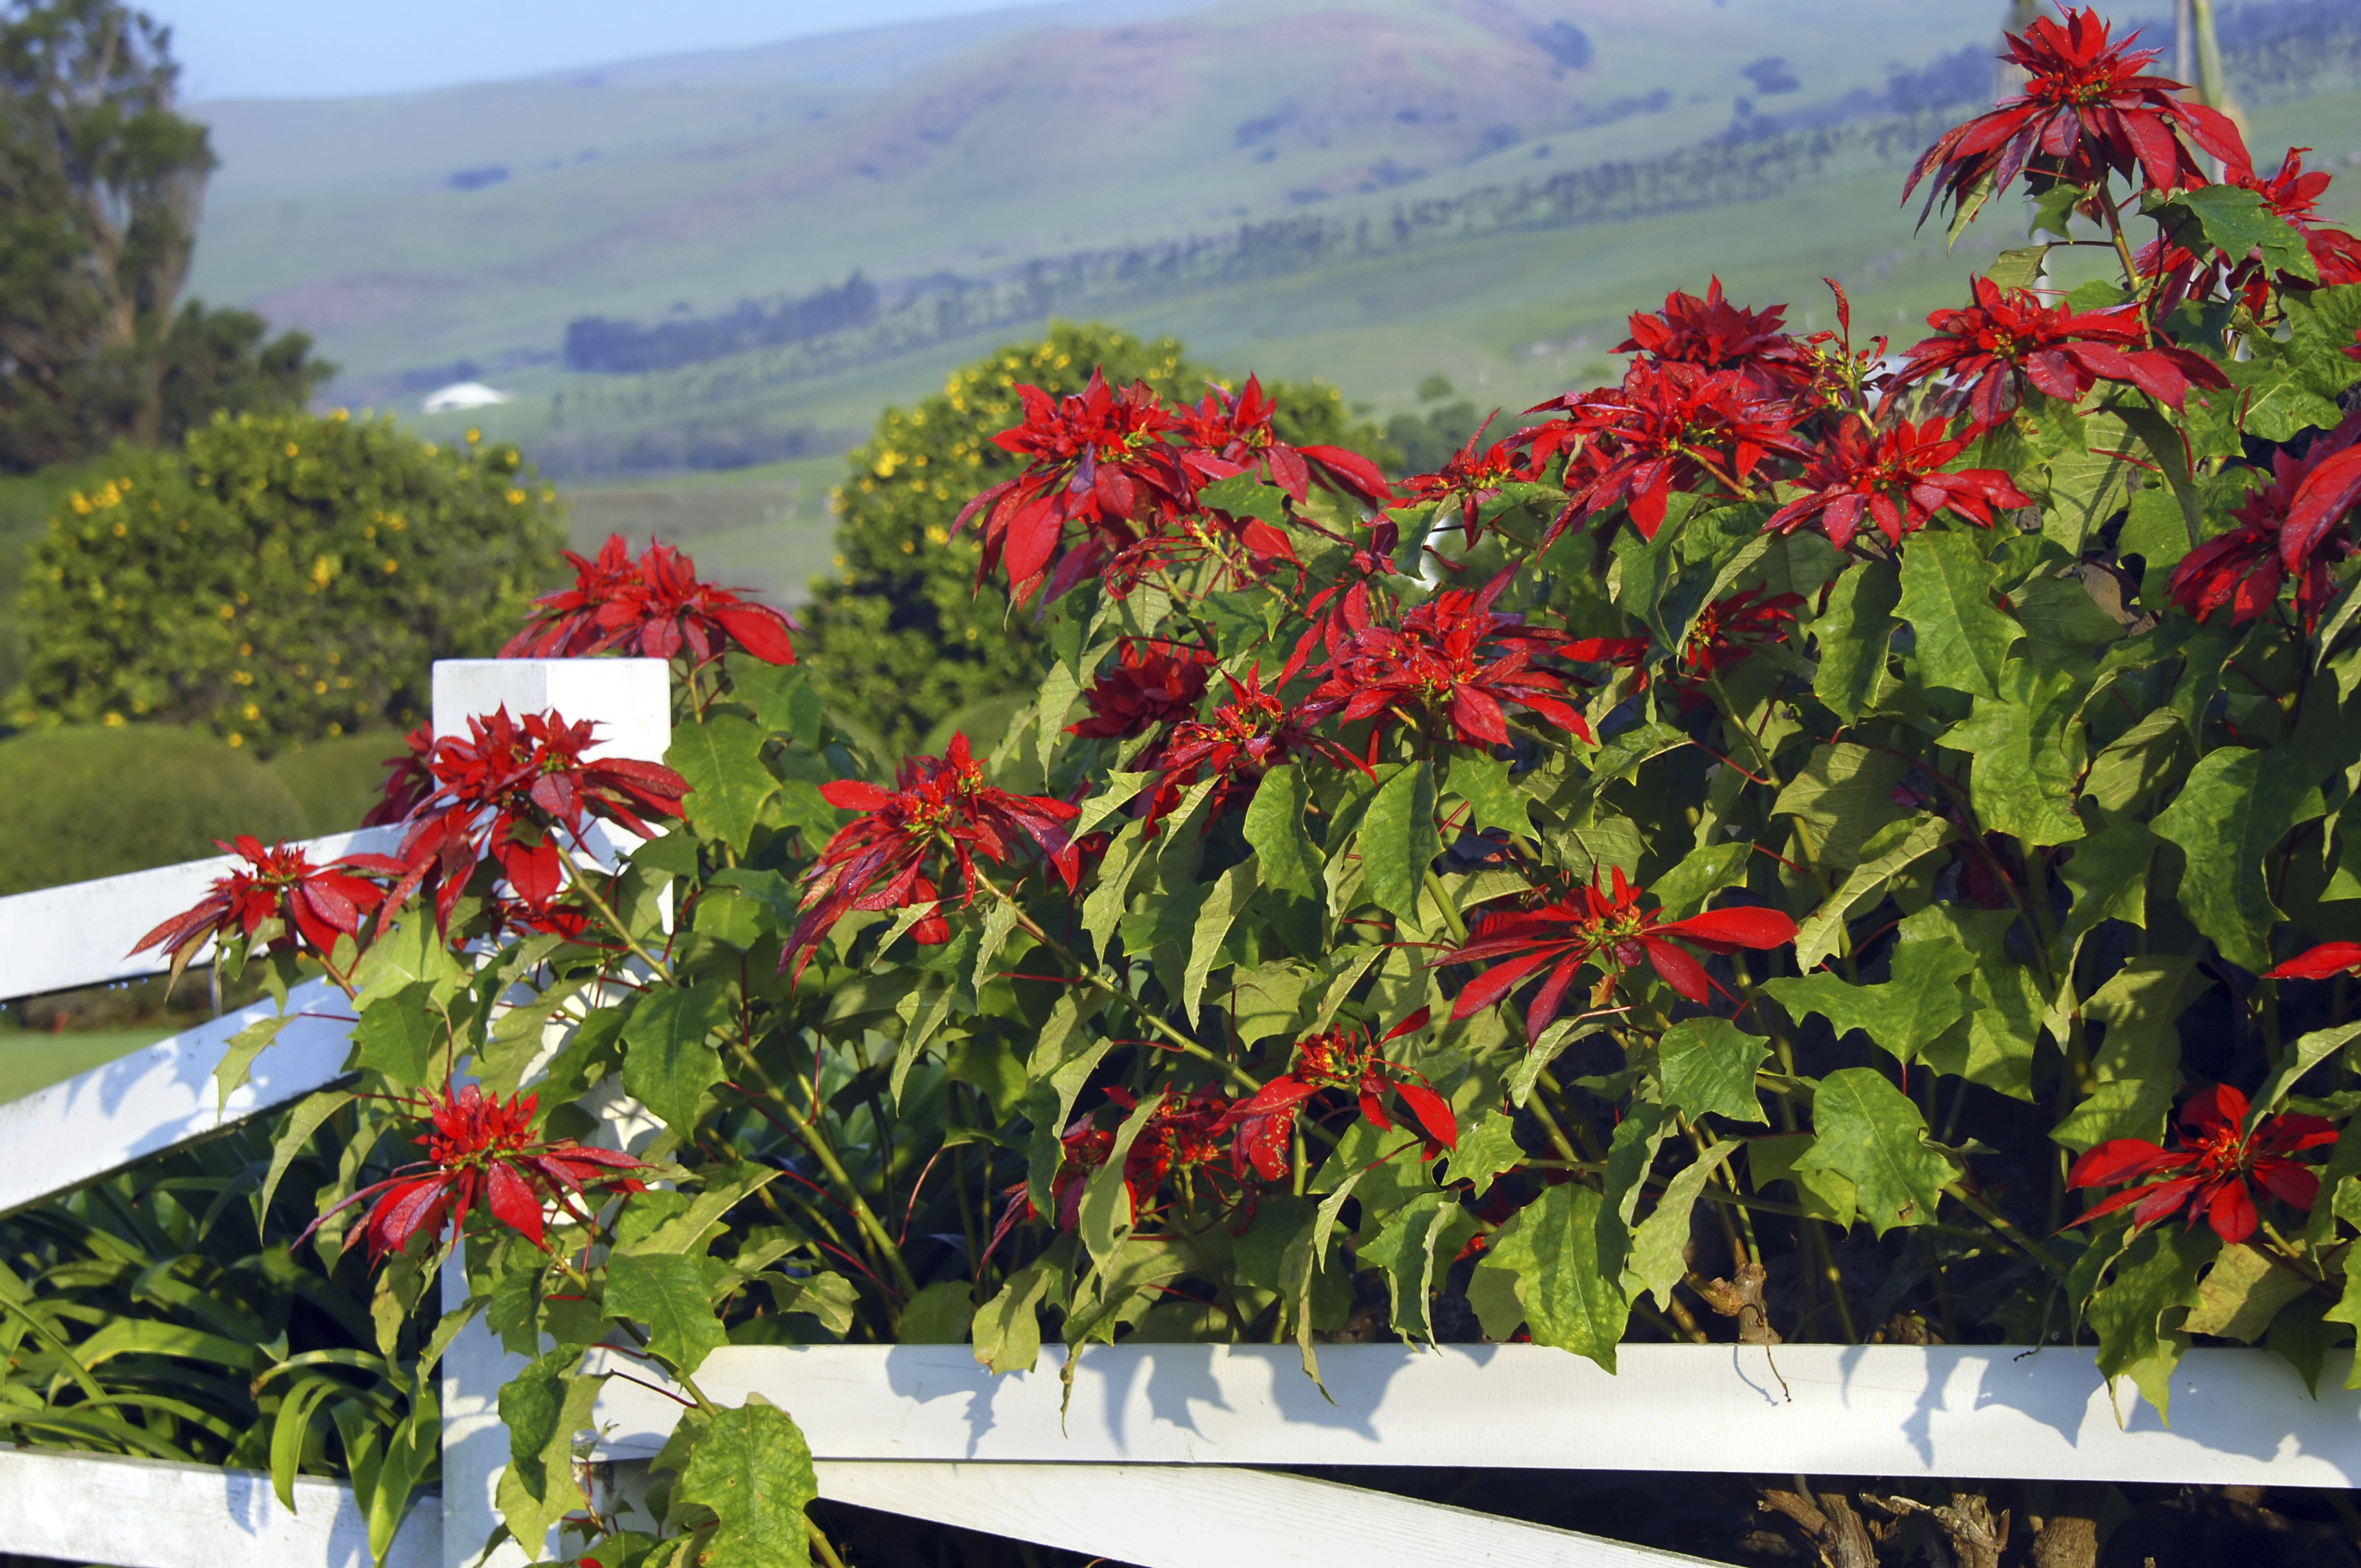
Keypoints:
pixel 630 701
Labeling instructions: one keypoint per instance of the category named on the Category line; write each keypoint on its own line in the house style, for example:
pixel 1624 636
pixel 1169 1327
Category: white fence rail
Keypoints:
pixel 1144 1464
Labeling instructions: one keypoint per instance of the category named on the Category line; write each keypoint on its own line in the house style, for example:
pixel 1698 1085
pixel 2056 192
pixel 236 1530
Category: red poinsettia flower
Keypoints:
pixel 1471 480
pixel 313 905
pixel 1991 350
pixel 1728 629
pixel 2088 110
pixel 881 859
pixel 1181 1135
pixel 507 789
pixel 1594 926
pixel 1344 607
pixel 1247 735
pixel 2286 531
pixel 2325 961
pixel 1230 433
pixel 1894 478
pixel 1349 1059
pixel 410 779
pixel 1099 458
pixel 1450 670
pixel 654 606
pixel 1714 334
pixel 480 1150
pixel 1152 684
pixel 1668 427
pixel 2212 1169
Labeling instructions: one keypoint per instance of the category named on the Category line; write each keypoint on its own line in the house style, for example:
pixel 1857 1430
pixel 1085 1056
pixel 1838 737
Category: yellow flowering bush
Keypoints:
pixel 281 577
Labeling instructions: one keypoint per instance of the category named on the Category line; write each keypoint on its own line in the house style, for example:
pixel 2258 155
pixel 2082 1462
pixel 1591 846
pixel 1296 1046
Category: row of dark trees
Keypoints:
pixel 101 184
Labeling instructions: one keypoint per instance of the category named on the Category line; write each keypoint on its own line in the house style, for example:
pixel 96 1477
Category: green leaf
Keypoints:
pixel 2064 627
pixel 728 781
pixel 1121 788
pixel 302 1122
pixel 828 1299
pixel 1947 600
pixel 2108 878
pixel 939 1314
pixel 1995 1045
pixel 399 1037
pixel 1106 1217
pixel 1549 1250
pixel 1399 842
pixel 669 1066
pixel 1893 848
pixel 690 1232
pixel 411 951
pixel 2230 816
pixel 1660 1247
pixel 1703 872
pixel 2239 221
pixel 1922 999
pixel 237 1057
pixel 2018 268
pixel 666 1292
pixel 2310 1051
pixel 1843 795
pixel 1487 1149
pixel 1231 892
pixel 1405 1248
pixel 1708 1065
pixel 1482 781
pixel 1008 1327
pixel 2242 1293
pixel 783 696
pixel 2087 483
pixel 2137 1312
pixel 1869 1132
pixel 1855 633
pixel 754 1469
pixel 543 1407
pixel 1061 1063
pixel 2135 765
pixel 1287 857
pixel 1823 1194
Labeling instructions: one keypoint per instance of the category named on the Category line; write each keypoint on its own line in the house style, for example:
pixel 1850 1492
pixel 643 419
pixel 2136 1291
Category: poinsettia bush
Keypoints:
pixel 1821 840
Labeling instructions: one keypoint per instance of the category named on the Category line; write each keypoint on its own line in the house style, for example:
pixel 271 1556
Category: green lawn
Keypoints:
pixel 30 1060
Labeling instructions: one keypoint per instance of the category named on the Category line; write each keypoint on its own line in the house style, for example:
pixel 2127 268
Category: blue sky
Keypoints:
pixel 307 48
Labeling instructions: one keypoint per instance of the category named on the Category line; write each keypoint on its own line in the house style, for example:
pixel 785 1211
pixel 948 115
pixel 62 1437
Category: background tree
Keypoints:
pixel 904 637
pixel 100 187
pixel 286 578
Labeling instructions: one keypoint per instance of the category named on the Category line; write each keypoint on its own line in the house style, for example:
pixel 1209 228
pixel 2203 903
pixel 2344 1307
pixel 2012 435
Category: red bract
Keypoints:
pixel 2293 193
pixel 1668 427
pixel 1990 350
pixel 2211 1170
pixel 1152 684
pixel 1099 458
pixel 2088 109
pixel 1449 670
pixel 410 778
pixel 1472 479
pixel 313 904
pixel 505 790
pixel 1342 607
pixel 2323 962
pixel 654 606
pixel 1894 478
pixel 1715 336
pixel 1350 1059
pixel 1727 630
pixel 480 1149
pixel 1245 737
pixel 1230 435
pixel 1591 925
pixel 938 806
pixel 1180 1136
pixel 2285 530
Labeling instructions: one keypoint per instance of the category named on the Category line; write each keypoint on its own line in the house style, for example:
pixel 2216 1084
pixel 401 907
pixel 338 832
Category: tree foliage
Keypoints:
pixel 282 578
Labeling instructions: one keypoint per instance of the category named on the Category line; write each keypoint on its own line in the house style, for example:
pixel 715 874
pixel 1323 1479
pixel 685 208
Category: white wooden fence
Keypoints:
pixel 1146 1464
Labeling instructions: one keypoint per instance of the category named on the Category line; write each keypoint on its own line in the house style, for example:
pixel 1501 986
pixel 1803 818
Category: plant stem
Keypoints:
pixel 806 1129
pixel 2006 1229
pixel 606 912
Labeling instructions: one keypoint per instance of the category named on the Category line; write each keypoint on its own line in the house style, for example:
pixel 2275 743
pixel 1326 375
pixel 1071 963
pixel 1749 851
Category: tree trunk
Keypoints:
pixel 2069 1536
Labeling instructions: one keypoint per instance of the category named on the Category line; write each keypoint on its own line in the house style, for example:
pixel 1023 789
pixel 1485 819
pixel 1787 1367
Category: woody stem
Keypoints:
pixel 606 912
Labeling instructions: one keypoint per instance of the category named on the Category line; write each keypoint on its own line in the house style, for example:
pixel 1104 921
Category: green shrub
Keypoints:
pixel 905 637
pixel 336 780
pixel 86 803
pixel 284 577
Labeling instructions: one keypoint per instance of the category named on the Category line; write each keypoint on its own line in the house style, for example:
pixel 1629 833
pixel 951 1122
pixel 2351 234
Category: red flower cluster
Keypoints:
pixel 1471 480
pixel 480 1149
pixel 2213 1170
pixel 654 606
pixel 1230 434
pixel 1894 478
pixel 1346 1058
pixel 1151 683
pixel 310 905
pixel 1989 352
pixel 1714 334
pixel 410 779
pixel 506 790
pixel 1729 629
pixel 1590 924
pixel 881 859
pixel 1245 737
pixel 2088 109
pixel 2286 532
pixel 1451 668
